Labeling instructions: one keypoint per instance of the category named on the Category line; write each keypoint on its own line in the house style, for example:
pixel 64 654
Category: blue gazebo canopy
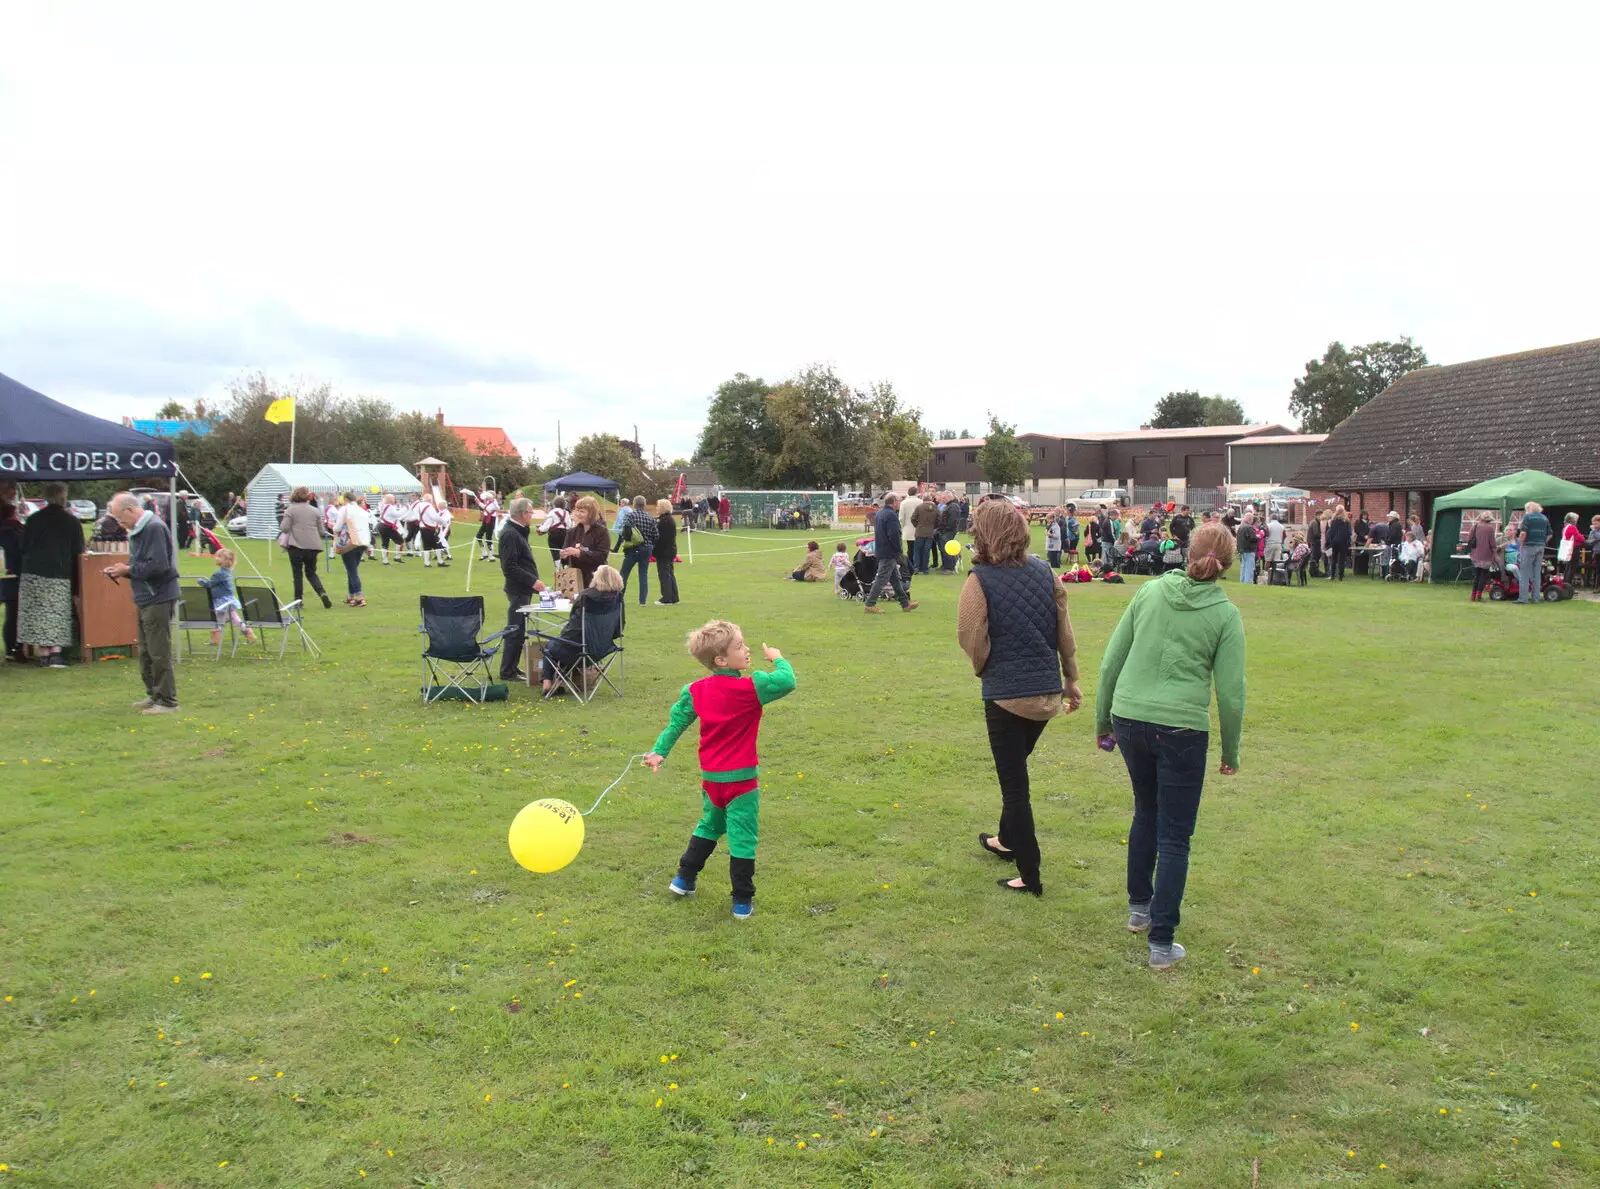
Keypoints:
pixel 580 481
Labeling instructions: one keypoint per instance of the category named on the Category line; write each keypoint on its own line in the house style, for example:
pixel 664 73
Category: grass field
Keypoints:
pixel 277 939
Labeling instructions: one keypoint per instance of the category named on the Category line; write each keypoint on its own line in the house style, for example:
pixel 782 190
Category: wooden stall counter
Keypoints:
pixel 106 615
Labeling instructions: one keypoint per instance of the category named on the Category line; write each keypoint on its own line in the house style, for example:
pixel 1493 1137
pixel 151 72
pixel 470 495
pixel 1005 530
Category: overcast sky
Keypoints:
pixel 596 213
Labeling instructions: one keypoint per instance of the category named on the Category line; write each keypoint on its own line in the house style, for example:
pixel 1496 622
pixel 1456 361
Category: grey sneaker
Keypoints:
pixel 158 708
pixel 1138 918
pixel 144 703
pixel 1165 957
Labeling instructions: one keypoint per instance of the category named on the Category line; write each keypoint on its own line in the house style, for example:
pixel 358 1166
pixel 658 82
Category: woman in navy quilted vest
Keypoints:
pixel 1012 623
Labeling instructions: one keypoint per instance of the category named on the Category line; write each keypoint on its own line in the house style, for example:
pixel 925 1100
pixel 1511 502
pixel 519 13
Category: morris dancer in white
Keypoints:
pixel 413 525
pixel 446 519
pixel 428 523
pixel 331 517
pixel 390 518
pixel 489 505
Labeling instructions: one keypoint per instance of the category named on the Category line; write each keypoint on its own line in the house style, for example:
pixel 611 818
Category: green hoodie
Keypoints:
pixel 1175 638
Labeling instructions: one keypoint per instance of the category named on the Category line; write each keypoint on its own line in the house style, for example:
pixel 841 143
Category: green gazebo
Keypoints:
pixel 1502 496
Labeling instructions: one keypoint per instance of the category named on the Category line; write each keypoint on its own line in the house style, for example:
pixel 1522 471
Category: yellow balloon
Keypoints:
pixel 953 548
pixel 546 835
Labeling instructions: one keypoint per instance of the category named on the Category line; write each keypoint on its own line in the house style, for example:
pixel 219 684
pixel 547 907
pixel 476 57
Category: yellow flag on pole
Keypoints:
pixel 280 411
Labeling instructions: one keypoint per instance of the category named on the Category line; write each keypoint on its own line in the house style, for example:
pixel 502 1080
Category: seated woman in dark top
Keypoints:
pixel 602 599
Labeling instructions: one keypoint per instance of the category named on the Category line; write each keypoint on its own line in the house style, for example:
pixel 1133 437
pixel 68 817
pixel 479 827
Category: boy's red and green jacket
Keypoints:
pixel 729 709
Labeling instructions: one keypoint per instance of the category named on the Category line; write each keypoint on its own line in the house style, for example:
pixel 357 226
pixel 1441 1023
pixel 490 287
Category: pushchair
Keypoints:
pixel 857 580
pixel 1146 559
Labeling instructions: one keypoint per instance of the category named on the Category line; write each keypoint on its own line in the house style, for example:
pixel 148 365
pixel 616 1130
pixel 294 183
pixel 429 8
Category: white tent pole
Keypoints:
pixel 292 421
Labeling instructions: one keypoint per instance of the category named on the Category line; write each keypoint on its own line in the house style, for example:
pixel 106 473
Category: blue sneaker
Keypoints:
pixel 743 910
pixel 681 886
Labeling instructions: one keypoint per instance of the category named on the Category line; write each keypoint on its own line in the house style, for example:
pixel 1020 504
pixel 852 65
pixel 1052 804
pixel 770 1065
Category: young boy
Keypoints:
pixel 729 709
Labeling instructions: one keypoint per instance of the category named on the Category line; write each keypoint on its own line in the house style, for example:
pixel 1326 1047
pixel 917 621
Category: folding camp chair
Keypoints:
pixel 261 612
pixel 456 662
pixel 195 615
pixel 582 666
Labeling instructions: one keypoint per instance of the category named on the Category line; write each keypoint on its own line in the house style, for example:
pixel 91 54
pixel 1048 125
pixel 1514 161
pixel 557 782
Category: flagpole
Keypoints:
pixel 292 420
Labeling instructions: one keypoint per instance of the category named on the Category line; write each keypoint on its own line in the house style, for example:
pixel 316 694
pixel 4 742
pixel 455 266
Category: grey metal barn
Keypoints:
pixel 325 480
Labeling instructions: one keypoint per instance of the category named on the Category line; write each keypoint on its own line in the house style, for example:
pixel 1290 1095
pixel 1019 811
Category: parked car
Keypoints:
pixel 83 509
pixel 29 507
pixel 207 517
pixel 1103 495
pixel 855 497
pixel 239 525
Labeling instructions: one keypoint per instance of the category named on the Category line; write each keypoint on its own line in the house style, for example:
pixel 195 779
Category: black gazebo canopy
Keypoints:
pixel 42 440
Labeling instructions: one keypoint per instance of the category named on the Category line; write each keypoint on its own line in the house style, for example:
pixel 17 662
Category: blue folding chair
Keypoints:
pixel 456 662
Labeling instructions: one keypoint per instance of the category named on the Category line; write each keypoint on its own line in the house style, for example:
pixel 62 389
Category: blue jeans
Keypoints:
pixel 352 569
pixel 1247 568
pixel 1529 577
pixel 921 550
pixel 638 555
pixel 1167 766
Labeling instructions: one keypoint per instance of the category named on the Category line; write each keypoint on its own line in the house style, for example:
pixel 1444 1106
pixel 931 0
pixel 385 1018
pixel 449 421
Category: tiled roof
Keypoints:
pixel 960 443
pixel 485 439
pixel 1443 428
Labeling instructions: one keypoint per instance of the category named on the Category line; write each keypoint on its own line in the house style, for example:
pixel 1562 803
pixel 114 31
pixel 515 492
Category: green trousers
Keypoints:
pixel 737 820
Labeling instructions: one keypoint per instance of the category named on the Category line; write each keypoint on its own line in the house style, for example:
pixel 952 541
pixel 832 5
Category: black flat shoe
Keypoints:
pixel 1011 887
pixel 1005 855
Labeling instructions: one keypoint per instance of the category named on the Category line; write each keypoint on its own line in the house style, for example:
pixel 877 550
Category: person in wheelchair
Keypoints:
pixel 600 604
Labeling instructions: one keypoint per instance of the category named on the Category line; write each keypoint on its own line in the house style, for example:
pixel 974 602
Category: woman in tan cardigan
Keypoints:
pixel 814 568
pixel 1012 623
pixel 301 535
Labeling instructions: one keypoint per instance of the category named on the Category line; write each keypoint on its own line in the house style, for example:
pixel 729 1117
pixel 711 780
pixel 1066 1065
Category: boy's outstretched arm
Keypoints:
pixel 774 685
pixel 677 723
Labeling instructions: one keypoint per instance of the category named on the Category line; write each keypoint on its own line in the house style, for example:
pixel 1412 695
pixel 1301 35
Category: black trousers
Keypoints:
pixel 558 538
pixel 486 532
pixel 516 633
pixel 1480 579
pixel 11 605
pixel 303 565
pixel 1338 557
pixel 741 872
pixel 667 579
pixel 1011 739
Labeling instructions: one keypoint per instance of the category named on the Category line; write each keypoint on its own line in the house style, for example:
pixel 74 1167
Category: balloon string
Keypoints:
pixel 611 786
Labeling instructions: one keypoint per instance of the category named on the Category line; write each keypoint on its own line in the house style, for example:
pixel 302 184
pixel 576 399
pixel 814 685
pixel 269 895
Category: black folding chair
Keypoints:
pixel 582 666
pixel 455 659
pixel 262 613
pixel 195 615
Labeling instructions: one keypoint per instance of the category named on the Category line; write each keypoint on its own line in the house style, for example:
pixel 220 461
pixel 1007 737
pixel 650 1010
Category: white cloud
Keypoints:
pixel 1017 207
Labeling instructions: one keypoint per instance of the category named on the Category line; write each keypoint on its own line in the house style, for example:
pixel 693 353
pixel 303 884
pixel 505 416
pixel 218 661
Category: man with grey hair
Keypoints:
pixel 1531 538
pixel 152 570
pixel 521 573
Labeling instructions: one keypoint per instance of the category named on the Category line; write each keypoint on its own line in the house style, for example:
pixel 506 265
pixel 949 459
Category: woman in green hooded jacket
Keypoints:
pixel 1179 636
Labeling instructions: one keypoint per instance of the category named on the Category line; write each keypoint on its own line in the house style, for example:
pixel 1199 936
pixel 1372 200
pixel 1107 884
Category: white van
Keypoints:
pixel 1103 495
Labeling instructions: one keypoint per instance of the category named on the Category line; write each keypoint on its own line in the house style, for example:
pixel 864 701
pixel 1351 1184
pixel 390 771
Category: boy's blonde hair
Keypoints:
pixel 714 639
pixel 226 559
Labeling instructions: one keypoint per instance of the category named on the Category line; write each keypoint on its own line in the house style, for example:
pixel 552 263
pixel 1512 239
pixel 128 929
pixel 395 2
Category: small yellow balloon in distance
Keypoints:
pixel 374 489
pixel 953 548
pixel 546 835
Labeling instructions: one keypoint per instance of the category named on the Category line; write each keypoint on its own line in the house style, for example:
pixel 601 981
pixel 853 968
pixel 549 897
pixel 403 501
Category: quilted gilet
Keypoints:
pixel 1023 657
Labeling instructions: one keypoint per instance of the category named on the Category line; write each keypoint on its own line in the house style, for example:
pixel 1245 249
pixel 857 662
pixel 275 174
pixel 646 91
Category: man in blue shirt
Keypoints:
pixel 1531 537
pixel 887 545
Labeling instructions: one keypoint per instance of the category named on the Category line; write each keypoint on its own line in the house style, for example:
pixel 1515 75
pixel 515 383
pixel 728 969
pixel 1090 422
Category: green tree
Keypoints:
pixel 1222 410
pixel 739 439
pixel 1342 380
pixel 1179 410
pixel 1004 460
pixel 950 435
pixel 899 445
pixel 824 434
pixel 172 411
pixel 604 455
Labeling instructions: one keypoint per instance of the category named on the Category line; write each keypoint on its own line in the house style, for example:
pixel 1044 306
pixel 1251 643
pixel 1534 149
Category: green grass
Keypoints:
pixel 383 979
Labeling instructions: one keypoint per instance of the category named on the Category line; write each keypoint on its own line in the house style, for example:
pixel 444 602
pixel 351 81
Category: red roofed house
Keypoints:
pixel 482 439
